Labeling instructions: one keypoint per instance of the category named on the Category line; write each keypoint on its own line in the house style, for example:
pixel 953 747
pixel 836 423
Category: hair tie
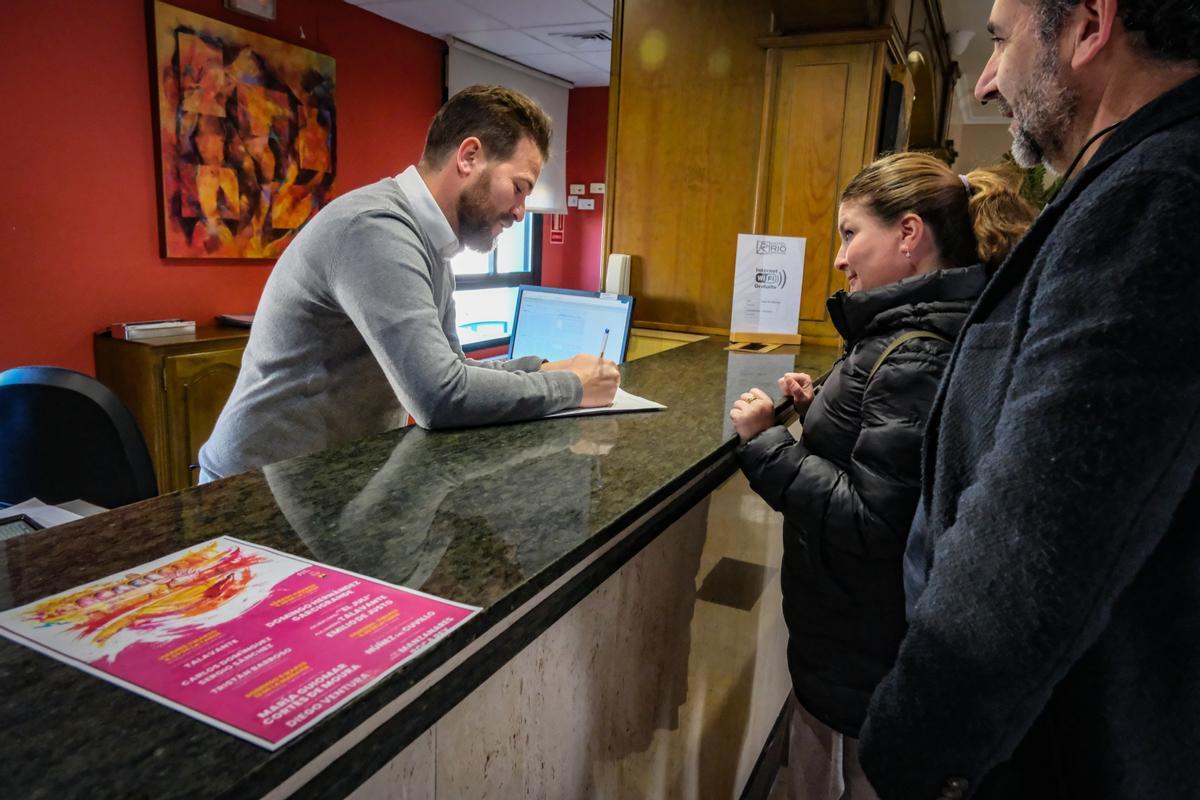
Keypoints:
pixel 966 184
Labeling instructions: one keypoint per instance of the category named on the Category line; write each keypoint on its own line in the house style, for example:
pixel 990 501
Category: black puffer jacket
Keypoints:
pixel 849 488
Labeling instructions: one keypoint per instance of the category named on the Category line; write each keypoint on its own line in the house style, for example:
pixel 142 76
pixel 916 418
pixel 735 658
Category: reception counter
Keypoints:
pixel 629 641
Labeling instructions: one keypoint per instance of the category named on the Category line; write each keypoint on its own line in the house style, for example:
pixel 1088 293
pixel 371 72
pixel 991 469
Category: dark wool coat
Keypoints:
pixel 1061 508
pixel 847 490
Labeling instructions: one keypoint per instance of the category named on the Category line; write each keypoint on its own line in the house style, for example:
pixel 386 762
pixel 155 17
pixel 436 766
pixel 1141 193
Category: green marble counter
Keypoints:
pixel 486 516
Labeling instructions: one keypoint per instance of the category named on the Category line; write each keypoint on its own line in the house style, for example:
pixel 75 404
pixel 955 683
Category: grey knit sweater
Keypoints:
pixel 355 330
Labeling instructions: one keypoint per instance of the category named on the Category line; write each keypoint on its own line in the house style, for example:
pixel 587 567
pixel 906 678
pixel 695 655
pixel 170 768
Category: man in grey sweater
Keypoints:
pixel 356 326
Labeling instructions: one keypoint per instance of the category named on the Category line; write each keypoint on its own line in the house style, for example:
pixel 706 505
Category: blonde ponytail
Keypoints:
pixel 978 220
pixel 999 215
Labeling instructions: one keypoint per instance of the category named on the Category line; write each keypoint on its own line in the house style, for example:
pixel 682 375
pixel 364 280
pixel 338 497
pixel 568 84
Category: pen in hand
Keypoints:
pixel 603 342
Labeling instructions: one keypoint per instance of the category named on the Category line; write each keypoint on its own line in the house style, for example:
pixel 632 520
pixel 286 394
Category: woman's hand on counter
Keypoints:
pixel 752 414
pixel 799 387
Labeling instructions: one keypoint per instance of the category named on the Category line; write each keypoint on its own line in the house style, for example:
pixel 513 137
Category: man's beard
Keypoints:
pixel 1043 110
pixel 474 223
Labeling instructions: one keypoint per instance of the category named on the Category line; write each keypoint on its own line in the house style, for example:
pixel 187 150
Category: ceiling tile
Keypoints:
pixel 601 61
pixel 558 36
pixel 556 63
pixel 527 13
pixel 505 42
pixel 605 8
pixel 593 78
pixel 435 17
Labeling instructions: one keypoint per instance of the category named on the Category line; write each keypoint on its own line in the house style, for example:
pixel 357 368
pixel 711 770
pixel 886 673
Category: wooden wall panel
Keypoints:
pixel 717 128
pixel 824 121
pixel 685 148
pixel 794 16
pixel 807 148
pixel 901 16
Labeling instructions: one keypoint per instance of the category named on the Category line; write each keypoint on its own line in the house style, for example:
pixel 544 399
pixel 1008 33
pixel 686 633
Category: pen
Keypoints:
pixel 603 342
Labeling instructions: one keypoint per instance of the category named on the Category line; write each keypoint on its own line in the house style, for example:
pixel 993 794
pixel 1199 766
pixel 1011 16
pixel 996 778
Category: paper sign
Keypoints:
pixel 572 201
pixel 253 641
pixel 768 277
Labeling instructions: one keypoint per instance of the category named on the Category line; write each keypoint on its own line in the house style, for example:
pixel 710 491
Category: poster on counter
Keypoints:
pixel 768 277
pixel 251 640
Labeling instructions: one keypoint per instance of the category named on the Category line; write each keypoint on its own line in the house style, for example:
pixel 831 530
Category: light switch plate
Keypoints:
pixel 597 188
pixel 578 188
pixel 572 201
pixel 586 204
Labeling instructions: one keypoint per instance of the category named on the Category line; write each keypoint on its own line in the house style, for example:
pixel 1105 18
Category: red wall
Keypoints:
pixel 79 214
pixel 575 264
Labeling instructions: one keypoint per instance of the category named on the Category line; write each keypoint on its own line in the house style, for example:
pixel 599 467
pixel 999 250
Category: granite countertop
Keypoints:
pixel 485 516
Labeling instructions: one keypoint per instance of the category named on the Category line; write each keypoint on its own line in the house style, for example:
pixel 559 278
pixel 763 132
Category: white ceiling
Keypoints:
pixel 971 16
pixel 531 32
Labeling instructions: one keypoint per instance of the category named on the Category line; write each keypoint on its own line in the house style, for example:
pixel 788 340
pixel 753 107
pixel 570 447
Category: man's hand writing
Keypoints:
pixel 599 376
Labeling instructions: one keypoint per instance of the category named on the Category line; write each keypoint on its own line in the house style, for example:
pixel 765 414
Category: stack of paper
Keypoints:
pixel 624 401
pixel 148 329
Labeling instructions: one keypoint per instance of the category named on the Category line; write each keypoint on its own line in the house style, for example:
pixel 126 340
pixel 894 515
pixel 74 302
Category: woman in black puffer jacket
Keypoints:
pixel 917 242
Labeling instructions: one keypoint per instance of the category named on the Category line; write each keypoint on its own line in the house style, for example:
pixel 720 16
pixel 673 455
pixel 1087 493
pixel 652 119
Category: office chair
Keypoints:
pixel 66 436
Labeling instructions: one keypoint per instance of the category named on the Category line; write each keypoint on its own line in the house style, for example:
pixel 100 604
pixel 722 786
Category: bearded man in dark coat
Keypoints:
pixel 1053 569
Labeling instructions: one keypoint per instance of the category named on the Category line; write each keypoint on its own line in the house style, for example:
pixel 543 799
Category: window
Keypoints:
pixel 485 296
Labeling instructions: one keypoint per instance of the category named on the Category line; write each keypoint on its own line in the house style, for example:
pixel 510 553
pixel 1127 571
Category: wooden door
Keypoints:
pixel 823 125
pixel 197 386
pixel 683 145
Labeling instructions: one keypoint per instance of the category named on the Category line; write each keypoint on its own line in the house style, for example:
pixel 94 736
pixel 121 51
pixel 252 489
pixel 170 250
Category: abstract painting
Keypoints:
pixel 246 130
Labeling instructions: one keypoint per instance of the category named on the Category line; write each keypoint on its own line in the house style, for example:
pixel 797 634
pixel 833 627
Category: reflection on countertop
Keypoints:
pixel 486 516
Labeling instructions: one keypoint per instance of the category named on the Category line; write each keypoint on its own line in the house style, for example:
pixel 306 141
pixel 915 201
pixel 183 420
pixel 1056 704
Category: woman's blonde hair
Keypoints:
pixel 981 224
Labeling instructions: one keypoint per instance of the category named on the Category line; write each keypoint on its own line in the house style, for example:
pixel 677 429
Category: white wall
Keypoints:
pixel 979 145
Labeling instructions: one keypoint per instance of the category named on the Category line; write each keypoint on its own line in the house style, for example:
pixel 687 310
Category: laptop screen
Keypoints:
pixel 559 323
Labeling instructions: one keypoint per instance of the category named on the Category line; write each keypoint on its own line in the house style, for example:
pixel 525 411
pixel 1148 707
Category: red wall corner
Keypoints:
pixel 79 221
pixel 575 264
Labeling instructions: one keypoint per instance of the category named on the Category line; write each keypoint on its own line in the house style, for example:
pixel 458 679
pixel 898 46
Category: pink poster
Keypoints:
pixel 252 640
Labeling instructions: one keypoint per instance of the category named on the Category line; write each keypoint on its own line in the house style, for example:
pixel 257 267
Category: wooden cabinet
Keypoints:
pixel 176 387
pixel 822 108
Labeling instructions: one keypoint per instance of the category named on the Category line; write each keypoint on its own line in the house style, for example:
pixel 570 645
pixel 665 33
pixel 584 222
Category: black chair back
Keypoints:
pixel 66 436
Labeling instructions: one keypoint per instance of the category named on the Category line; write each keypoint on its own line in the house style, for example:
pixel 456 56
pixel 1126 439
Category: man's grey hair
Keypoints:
pixel 1167 30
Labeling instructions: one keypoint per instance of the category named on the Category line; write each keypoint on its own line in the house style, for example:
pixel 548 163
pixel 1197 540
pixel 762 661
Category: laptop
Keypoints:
pixel 559 323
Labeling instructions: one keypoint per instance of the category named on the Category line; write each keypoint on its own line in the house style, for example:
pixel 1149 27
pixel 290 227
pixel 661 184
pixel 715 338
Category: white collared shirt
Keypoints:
pixel 428 213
